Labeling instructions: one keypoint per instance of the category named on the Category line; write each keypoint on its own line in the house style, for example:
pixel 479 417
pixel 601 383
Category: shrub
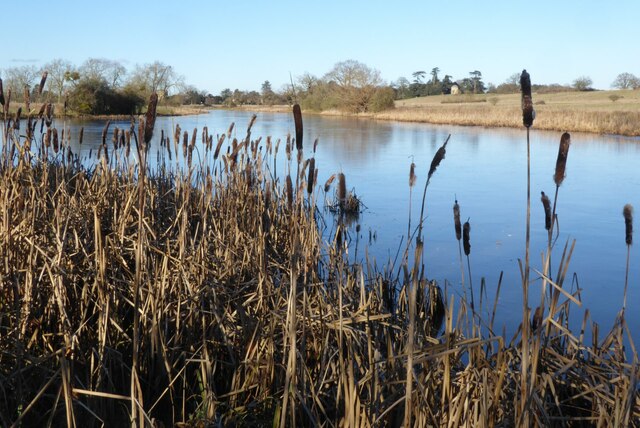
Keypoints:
pixel 382 99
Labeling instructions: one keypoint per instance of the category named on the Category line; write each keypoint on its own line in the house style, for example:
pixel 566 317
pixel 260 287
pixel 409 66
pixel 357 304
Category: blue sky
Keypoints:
pixel 240 44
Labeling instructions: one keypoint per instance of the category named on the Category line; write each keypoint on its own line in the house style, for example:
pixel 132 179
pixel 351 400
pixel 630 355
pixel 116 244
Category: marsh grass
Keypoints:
pixel 247 313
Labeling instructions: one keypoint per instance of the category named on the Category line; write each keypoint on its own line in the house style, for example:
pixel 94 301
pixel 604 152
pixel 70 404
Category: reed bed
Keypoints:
pixel 210 291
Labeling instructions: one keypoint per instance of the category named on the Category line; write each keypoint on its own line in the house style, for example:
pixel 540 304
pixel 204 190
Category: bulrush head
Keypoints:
pixel 327 184
pixel 342 188
pixel 466 230
pixel 297 119
pixel 43 80
pixel 546 204
pixel 527 102
pixel 561 162
pixel 412 175
pixel 81 135
pixel 437 158
pixel 311 175
pixel 27 100
pixel 289 185
pixel 627 212
pixel 456 220
pixel 150 118
pixel 1 93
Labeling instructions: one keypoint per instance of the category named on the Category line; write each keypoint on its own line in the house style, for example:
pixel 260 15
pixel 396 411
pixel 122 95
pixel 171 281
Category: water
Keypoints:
pixel 486 170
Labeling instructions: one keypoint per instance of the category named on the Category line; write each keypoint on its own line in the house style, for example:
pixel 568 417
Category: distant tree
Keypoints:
pixel 355 84
pixel 476 82
pixel 418 76
pixel 434 75
pixel 268 96
pixel 626 81
pixel 226 94
pixel 582 83
pixel 514 79
pixel 155 77
pixel 17 78
pixel 402 88
pixel 108 70
pixel 307 82
pixel 60 74
pixel 95 96
pixel 445 87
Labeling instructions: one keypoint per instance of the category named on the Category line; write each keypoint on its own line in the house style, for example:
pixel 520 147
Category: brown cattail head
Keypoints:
pixel 456 220
pixel 527 102
pixel 230 130
pixel 627 212
pixel 193 138
pixel 311 175
pixel 546 203
pixel 1 93
pixel 150 118
pixel 412 175
pixel 327 184
pixel 437 158
pixel 466 229
pixel 561 162
pixel 81 135
pixel 342 188
pixel 104 132
pixel 297 119
pixel 315 145
pixel 27 100
pixel 43 80
pixel 289 192
pixel 16 122
pixel 55 140
pixel 218 146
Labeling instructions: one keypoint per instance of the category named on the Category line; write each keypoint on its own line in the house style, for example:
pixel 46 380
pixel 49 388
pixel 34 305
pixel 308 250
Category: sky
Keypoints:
pixel 240 44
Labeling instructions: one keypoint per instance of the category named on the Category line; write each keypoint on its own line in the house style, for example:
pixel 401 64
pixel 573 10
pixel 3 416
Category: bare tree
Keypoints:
pixel 356 83
pixel 583 83
pixel 17 78
pixel 155 77
pixel 626 81
pixel 103 69
pixel 60 71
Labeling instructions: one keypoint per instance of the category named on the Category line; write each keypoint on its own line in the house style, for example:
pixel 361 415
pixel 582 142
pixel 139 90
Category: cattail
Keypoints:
pixel 55 140
pixel 185 143
pixel 297 118
pixel 456 220
pixel 437 158
pixel 546 203
pixel 536 320
pixel 16 122
pixel 327 184
pixel 528 114
pixel 315 145
pixel 43 80
pixel 42 109
pixel 230 130
pixel 104 132
pixel 342 188
pixel 561 162
pixel 627 212
pixel 176 135
pixel 47 138
pixel 251 122
pixel 49 114
pixel 193 138
pixel 288 147
pixel 311 175
pixel 116 137
pixel 289 192
pixel 81 135
pixel 220 141
pixel 466 229
pixel 150 118
pixel 1 93
pixel 412 175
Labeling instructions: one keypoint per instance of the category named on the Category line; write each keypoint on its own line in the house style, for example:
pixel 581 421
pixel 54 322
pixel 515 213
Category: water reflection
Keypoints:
pixel 486 170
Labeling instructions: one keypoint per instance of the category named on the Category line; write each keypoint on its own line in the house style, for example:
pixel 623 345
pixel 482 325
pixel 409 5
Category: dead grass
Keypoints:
pixel 567 111
pixel 207 295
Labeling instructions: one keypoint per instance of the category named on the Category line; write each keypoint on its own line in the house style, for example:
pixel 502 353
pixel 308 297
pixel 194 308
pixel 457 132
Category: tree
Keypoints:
pixel 434 75
pixel 95 96
pixel 626 81
pixel 17 78
pixel 418 76
pixel 476 81
pixel 156 77
pixel 108 70
pixel 60 73
pixel 355 84
pixel 402 87
pixel 267 93
pixel 583 83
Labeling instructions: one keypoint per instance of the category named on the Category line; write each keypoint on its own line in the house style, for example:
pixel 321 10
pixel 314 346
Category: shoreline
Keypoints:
pixel 589 112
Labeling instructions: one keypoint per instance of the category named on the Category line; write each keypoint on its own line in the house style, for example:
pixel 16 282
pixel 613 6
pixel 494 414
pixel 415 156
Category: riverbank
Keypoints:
pixel 58 111
pixel 599 112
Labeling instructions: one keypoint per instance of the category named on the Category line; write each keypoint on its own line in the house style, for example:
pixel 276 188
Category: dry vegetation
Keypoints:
pixel 566 111
pixel 212 292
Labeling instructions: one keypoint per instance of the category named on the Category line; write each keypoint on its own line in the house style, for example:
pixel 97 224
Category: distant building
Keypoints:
pixel 455 89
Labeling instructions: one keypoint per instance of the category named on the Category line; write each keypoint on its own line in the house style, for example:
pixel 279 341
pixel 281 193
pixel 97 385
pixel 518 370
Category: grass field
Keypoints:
pixel 566 111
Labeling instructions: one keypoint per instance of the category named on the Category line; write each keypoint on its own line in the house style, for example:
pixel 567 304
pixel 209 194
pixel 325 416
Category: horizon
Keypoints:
pixel 239 46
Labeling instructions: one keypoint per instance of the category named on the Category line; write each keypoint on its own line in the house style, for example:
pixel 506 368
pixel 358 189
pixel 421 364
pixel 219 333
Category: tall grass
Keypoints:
pixel 211 294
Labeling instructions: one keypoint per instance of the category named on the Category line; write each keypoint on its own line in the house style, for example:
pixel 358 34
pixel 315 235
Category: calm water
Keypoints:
pixel 486 170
